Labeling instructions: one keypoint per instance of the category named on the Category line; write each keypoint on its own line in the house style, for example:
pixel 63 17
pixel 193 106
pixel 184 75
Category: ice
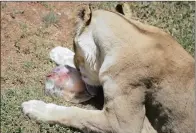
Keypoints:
pixel 62 56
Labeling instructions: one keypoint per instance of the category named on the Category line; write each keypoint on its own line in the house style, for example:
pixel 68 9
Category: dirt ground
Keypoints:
pixel 29 30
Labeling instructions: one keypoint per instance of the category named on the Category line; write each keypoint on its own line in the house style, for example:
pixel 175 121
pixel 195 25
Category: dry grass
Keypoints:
pixel 26 44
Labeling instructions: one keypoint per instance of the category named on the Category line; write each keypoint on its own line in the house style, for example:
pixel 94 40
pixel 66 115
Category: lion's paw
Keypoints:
pixel 36 109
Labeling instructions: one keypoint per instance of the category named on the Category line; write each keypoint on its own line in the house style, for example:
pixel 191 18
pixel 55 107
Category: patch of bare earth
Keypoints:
pixel 29 30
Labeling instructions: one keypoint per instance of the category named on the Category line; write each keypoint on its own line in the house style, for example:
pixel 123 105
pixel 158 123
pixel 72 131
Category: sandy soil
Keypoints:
pixel 29 30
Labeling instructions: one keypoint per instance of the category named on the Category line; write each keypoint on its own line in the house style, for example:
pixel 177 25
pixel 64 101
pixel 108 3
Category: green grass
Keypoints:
pixel 12 119
pixel 176 18
pixel 50 18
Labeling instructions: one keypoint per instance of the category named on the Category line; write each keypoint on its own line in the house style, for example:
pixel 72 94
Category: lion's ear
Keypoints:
pixel 85 14
pixel 124 9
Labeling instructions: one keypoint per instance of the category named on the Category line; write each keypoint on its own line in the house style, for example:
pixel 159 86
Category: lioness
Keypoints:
pixel 143 71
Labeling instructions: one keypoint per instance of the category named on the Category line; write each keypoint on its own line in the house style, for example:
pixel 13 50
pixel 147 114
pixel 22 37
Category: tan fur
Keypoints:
pixel 147 79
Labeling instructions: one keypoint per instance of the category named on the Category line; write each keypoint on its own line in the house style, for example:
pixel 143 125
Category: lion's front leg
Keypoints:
pixel 86 120
pixel 42 111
